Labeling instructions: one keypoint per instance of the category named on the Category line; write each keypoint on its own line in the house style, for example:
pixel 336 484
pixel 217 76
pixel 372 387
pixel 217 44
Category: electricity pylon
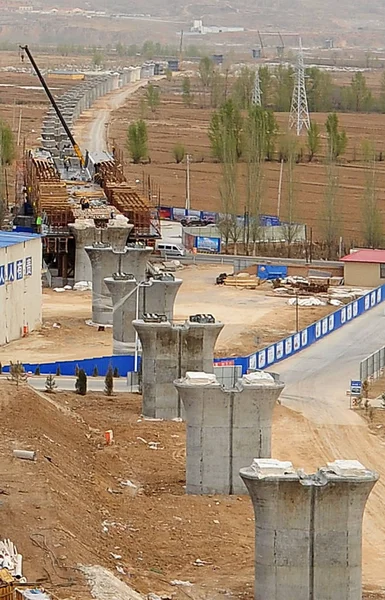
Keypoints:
pixel 257 94
pixel 299 112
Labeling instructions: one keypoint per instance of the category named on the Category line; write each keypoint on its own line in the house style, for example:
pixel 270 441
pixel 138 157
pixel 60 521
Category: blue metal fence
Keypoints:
pixel 279 351
pixel 124 364
pixel 263 359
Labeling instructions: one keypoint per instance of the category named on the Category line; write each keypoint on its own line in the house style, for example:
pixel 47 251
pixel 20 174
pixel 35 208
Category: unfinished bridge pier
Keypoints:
pixel 308 529
pixel 226 428
pixel 86 233
pixel 168 351
pixel 131 299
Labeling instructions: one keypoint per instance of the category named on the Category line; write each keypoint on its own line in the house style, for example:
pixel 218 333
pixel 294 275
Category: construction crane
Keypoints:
pixel 75 146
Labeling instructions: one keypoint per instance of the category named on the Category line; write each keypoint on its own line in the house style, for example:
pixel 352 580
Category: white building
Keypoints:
pixel 20 284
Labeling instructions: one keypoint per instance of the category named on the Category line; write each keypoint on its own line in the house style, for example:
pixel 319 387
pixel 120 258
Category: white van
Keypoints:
pixel 170 249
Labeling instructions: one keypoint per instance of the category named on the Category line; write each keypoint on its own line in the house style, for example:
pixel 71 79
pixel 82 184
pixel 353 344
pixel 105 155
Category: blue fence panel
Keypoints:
pixel 263 359
pixel 124 364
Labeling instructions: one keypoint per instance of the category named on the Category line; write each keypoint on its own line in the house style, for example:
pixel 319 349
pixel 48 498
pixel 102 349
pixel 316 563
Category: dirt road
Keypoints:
pixel 316 384
pixel 91 128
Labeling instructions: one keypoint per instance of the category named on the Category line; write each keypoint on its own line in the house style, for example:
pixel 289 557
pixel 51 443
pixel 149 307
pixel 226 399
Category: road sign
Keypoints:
pixel 355 387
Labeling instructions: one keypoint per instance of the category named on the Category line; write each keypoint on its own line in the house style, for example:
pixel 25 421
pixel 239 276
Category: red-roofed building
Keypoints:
pixel 364 268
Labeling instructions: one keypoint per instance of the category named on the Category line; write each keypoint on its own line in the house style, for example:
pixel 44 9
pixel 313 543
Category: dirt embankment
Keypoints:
pixel 70 506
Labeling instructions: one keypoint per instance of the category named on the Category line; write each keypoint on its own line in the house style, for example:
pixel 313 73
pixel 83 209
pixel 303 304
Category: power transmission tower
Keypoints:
pixel 299 112
pixel 256 99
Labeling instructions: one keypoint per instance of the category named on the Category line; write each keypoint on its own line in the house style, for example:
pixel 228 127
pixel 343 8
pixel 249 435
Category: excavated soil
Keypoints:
pixel 70 507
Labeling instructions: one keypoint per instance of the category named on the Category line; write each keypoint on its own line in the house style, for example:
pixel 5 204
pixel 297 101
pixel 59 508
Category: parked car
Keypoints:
pixel 194 222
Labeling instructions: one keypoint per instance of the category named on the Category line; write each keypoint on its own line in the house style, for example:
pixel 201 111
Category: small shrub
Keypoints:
pixel 58 371
pixel 81 383
pixel 116 372
pixel 37 370
pixel 109 382
pixel 178 153
pixel 17 373
pixel 95 372
pixel 50 384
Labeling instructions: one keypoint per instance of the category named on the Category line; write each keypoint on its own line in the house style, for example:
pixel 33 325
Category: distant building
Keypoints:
pixel 198 27
pixel 364 268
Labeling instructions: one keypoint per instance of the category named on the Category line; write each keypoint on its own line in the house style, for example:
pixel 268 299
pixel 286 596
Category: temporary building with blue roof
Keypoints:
pixel 20 284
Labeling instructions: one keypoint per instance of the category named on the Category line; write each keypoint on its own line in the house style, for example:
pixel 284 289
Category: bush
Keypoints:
pixel 95 372
pixel 37 370
pixel 58 371
pixel 116 372
pixel 17 373
pixel 178 153
pixel 50 385
pixel 81 383
pixel 109 382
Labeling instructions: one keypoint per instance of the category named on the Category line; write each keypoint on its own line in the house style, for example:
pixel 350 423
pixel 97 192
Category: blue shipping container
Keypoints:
pixel 271 272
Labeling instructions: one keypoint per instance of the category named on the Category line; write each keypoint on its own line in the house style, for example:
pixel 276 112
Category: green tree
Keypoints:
pixel 97 58
pixel 7 144
pixel 81 383
pixel 358 96
pixel 205 73
pixel 17 373
pixel 330 212
pixel 186 91
pixel 243 88
pixel 313 139
pixel 50 384
pixel 382 93
pixel 284 77
pixel 179 153
pixel 168 74
pixel 95 372
pixel 137 140
pixel 225 125
pixel 153 96
pixel 255 142
pixel 290 227
pixel 319 87
pixel 217 89
pixel 109 382
pixel 337 140
pixel 120 49
pixel 271 134
pixel 372 219
pixel 265 85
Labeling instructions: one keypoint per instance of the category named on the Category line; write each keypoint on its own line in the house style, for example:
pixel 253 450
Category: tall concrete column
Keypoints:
pixel 136 262
pixel 160 347
pixel 86 234
pixel 124 297
pixel 105 262
pixel 183 348
pixel 225 429
pixel 197 346
pixel 308 529
pixel 160 297
pixel 157 296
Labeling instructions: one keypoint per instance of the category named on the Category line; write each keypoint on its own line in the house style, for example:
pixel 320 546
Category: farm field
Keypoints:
pixel 174 123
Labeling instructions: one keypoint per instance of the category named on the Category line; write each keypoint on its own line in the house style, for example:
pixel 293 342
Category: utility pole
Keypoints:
pixel 188 201
pixel 280 188
pixel 256 99
pixel 299 112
